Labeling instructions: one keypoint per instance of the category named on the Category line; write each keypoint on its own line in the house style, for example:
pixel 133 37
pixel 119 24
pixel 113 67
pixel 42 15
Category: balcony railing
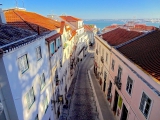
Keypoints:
pixel 102 59
pixel 117 82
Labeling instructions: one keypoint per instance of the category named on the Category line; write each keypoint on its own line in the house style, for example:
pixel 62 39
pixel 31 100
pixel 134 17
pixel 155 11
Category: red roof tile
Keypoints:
pixel 119 36
pixel 145 52
pixel 30 20
pixel 70 18
pixel 53 37
pixel 73 34
pixel 88 28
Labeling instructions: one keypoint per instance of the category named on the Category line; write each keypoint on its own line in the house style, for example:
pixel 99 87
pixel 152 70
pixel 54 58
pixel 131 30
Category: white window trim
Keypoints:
pixel 40 78
pixel 132 86
pixel 27 63
pixel 28 91
pixel 121 72
pixel 150 106
pixel 114 65
pixel 36 52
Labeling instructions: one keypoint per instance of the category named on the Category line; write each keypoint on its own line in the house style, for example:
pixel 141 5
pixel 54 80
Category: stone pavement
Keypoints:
pixel 83 105
pixel 106 112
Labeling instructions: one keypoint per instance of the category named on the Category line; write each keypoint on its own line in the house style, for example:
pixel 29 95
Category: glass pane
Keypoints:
pixel 27 99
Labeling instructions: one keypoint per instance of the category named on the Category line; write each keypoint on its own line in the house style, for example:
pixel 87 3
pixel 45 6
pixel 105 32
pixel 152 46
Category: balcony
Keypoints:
pixel 117 82
pixel 102 59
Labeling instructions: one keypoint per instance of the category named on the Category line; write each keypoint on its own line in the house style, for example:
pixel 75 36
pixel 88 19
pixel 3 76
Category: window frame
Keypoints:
pixel 54 47
pixel 145 105
pixel 28 97
pixel 27 63
pixel 45 104
pixel 119 67
pixel 127 90
pixel 40 53
pixel 106 57
pixel 42 84
pixel 112 66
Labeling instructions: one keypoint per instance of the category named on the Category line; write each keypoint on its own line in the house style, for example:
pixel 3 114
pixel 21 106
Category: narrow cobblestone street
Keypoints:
pixel 83 105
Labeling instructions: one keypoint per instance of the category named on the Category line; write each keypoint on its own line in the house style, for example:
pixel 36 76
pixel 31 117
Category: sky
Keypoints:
pixel 90 9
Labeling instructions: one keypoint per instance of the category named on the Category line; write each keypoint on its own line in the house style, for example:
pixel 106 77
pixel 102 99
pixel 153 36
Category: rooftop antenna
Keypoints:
pixel 23 3
pixel 16 3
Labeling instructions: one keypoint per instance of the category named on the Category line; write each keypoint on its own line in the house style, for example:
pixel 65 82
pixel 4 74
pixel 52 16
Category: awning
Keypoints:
pixel 53 37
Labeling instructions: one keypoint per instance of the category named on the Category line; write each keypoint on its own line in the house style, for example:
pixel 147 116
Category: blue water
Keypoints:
pixel 103 23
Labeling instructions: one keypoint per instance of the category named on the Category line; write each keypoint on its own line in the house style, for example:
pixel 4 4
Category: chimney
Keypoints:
pixel 2 18
pixel 38 30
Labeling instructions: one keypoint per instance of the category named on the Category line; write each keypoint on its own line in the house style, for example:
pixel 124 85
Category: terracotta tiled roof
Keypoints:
pixel 88 28
pixel 70 18
pixel 119 36
pixel 53 37
pixel 111 27
pixel 145 52
pixel 11 37
pixel 142 27
pixel 30 20
pixel 73 34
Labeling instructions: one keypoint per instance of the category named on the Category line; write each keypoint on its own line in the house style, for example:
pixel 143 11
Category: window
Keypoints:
pixel 113 62
pixel 38 53
pixel 119 74
pixel 36 118
pixel 30 97
pixel 145 104
pixel 106 57
pixel 45 104
pixel 129 85
pixel 42 81
pixel 52 48
pixel 102 70
pixel 23 63
pixel 105 75
pixel 60 62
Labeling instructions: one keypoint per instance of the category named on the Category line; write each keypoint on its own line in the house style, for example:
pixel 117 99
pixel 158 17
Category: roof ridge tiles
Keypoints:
pixel 132 40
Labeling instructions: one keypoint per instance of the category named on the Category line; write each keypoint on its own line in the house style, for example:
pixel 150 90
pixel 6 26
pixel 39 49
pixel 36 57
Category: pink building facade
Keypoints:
pixel 133 94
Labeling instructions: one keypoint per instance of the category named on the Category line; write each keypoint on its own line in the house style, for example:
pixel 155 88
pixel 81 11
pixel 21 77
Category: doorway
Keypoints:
pixel 124 113
pixel 104 86
pixel 115 102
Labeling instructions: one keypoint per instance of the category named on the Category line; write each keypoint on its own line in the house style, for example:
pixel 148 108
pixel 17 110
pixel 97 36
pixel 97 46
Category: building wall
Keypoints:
pixel 132 102
pixel 6 95
pixel 21 83
pixel 103 51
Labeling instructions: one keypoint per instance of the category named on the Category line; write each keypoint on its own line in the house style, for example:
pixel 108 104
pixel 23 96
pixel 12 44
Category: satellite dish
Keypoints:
pixel 1 108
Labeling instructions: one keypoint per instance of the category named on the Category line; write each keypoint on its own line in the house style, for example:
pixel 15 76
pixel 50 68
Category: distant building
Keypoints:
pixel 130 25
pixel 127 65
